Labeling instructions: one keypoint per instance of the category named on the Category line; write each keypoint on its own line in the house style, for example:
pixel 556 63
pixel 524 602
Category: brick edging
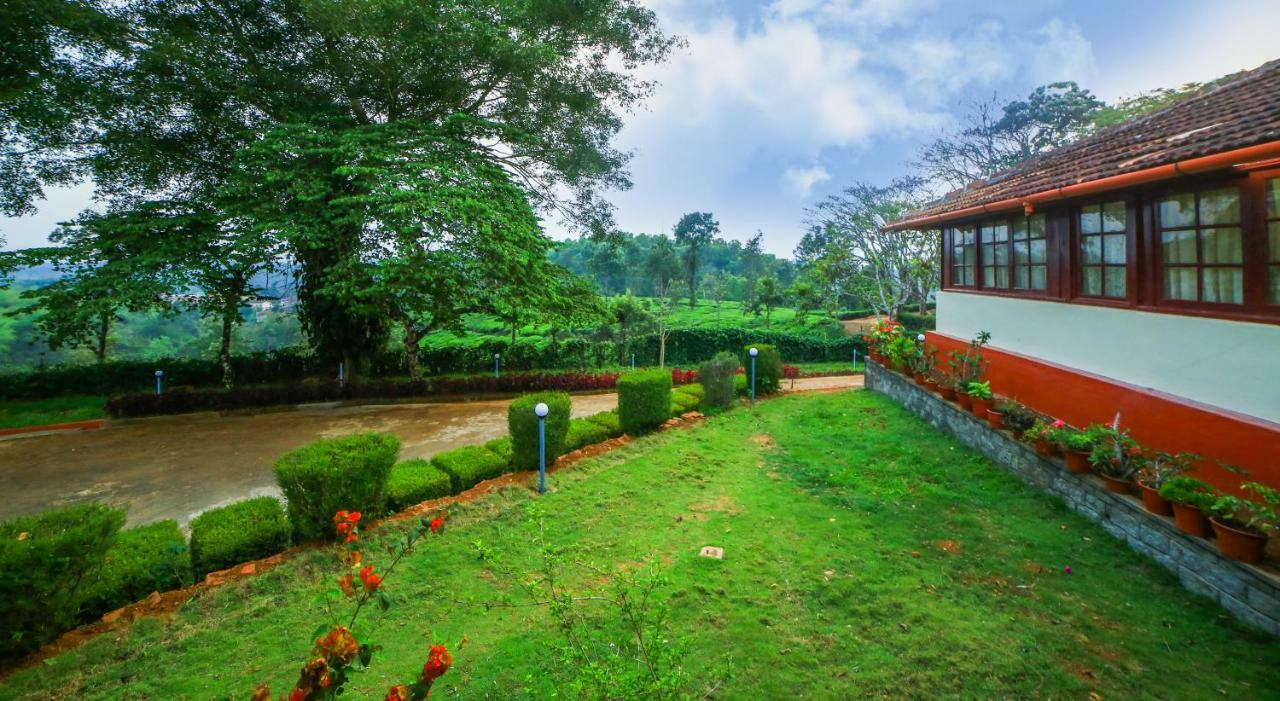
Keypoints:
pixel 1251 594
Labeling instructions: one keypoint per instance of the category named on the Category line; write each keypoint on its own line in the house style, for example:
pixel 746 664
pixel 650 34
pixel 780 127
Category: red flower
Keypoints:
pixel 351 538
pixel 340 517
pixel 399 692
pixel 338 647
pixel 371 580
pixel 344 527
pixel 438 662
pixel 437 523
pixel 353 517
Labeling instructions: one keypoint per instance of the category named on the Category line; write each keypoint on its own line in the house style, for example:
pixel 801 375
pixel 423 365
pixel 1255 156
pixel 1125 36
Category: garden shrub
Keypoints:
pixel 46 562
pixel 502 447
pixel 608 420
pixel 335 474
pixel 740 385
pixel 644 400
pixel 148 558
pixel 415 481
pixel 583 433
pixel 682 403
pixel 243 531
pixel 918 322
pixel 768 367
pixel 717 377
pixel 469 466
pixel 695 390
pixel 523 426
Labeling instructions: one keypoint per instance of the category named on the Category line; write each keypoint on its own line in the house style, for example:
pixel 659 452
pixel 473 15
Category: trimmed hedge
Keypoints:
pixel 918 322
pixel 523 426
pixel 45 561
pixel 644 400
pixel 145 559
pixel 415 481
pixel 502 447
pixel 334 474
pixel 608 420
pixel 583 433
pixel 243 531
pixel 717 381
pixel 469 466
pixel 768 367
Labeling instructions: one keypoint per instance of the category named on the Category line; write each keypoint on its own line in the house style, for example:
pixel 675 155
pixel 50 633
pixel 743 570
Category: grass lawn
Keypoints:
pixel 866 555
pixel 54 410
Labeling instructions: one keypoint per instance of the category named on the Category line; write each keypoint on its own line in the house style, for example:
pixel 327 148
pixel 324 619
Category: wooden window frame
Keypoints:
pixel 1250 255
pixel 1076 257
pixel 1266 258
pixel 949 273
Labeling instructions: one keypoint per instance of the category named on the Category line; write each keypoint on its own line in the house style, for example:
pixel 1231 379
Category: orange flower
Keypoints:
pixel 353 517
pixel 371 581
pixel 437 523
pixel 351 538
pixel 314 675
pixel 344 527
pixel 438 662
pixel 340 517
pixel 347 585
pixel 338 646
pixel 399 692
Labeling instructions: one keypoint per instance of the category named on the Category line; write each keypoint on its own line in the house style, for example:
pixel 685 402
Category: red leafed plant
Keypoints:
pixel 683 377
pixel 790 372
pixel 337 651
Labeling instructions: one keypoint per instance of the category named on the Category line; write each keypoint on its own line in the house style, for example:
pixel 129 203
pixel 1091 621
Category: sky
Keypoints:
pixel 772 106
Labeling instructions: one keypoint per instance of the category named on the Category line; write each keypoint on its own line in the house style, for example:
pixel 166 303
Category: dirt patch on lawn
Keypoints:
pixel 948 546
pixel 716 505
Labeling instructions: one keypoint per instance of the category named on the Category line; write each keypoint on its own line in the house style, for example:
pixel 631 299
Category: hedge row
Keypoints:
pixel 644 400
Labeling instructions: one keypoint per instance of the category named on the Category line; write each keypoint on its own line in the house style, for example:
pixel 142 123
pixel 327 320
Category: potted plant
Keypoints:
pixel 968 367
pixel 1190 499
pixel 1076 446
pixel 1017 418
pixel 979 398
pixel 1160 468
pixel 1042 435
pixel 1243 525
pixel 1116 456
pixel 922 363
pixel 997 412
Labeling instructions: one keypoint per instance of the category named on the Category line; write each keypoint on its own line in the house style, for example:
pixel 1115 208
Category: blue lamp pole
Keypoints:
pixel 541 410
pixel 855 358
pixel 633 361
pixel 159 382
pixel 754 352
pixel 342 373
pixel 497 365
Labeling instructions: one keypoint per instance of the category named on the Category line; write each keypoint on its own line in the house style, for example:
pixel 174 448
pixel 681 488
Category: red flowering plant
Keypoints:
pixel 882 334
pixel 1115 453
pixel 337 652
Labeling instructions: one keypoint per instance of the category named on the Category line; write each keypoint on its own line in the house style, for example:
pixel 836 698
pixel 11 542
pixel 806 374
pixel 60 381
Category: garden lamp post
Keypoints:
pixel 633 361
pixel 159 382
pixel 753 352
pixel 497 365
pixel 541 410
pixel 855 358
pixel 342 373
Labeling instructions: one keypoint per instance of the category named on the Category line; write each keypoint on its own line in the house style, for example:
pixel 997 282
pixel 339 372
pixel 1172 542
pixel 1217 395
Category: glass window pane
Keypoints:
pixel 1022 252
pixel 988 277
pixel 967 278
pixel 1090 220
pixel 1220 206
pixel 1275 284
pixel 1037 251
pixel 1275 240
pixel 1178 210
pixel 1021 278
pixel 1113 248
pixel 1273 197
pixel 1002 277
pixel 987 233
pixel 1038 277
pixel 1092 283
pixel 1036 225
pixel 1180 283
pixel 1113 216
pixel 1019 228
pixel 1221 245
pixel 1000 255
pixel 1113 281
pixel 1179 247
pixel 1223 285
pixel 1091 248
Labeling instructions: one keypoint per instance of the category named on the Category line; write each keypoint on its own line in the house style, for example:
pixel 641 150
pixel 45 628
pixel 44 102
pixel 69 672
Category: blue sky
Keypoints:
pixel 774 105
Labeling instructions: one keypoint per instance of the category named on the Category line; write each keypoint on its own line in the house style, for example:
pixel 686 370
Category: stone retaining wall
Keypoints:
pixel 1251 594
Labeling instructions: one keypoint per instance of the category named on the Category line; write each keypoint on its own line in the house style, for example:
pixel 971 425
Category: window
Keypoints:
pixel 1201 246
pixel 963 256
pixel 1273 241
pixel 995 254
pixel 1029 257
pixel 1103 250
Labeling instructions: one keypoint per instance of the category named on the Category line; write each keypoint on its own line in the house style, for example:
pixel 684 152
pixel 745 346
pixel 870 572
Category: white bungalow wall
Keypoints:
pixel 1229 364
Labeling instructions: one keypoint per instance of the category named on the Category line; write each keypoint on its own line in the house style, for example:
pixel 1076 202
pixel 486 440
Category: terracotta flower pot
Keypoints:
pixel 1117 486
pixel 931 385
pixel 995 419
pixel 1236 544
pixel 979 406
pixel 966 402
pixel 1017 433
pixel 948 393
pixel 1078 463
pixel 1153 502
pixel 919 378
pixel 1043 447
pixel 1190 520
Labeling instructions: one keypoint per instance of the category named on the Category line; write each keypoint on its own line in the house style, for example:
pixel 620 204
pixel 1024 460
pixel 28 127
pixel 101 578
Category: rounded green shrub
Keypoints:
pixel 523 425
pixel 335 474
pixel 243 531
pixel 644 400
pixel 469 466
pixel 502 447
pixel 45 561
pixel 148 558
pixel 768 367
pixel 415 481
pixel 716 378
pixel 583 433
pixel 609 421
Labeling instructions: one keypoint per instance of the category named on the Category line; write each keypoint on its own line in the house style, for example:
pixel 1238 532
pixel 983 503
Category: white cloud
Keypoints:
pixel 802 180
pixel 1061 52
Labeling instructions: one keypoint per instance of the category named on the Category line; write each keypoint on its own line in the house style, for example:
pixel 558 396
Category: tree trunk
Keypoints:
pixel 411 350
pixel 224 350
pixel 230 309
pixel 514 328
pixel 104 328
pixel 662 346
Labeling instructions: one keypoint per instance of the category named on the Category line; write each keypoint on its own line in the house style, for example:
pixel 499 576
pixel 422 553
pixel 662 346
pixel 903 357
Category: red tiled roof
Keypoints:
pixel 1239 113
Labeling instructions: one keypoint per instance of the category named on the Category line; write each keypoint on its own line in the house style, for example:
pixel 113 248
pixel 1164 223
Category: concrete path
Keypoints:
pixel 178 466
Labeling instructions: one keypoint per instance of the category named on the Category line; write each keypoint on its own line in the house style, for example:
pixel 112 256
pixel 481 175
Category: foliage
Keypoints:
pixel 693 389
pixel 979 390
pixel 918 322
pixel 469 465
pixel 682 402
pixel 644 400
pixel 55 410
pixel 768 364
pixel 144 559
pixel 1161 467
pixel 1079 441
pixel 694 232
pixel 609 421
pixel 415 481
pixel 47 562
pixel 1115 453
pixel 583 433
pixel 239 532
pixel 502 447
pixel 522 423
pixel 1188 490
pixel 1017 417
pixel 717 376
pixel 335 473
pixel 969 366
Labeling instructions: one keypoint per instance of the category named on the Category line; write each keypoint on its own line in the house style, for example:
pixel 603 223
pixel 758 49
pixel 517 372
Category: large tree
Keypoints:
pixel 695 231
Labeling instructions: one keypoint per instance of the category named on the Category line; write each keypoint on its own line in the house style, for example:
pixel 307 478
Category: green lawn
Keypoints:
pixel 54 410
pixel 866 555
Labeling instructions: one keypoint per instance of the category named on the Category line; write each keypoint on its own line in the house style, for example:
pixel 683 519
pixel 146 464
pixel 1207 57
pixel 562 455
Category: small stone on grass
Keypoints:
pixel 712 552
